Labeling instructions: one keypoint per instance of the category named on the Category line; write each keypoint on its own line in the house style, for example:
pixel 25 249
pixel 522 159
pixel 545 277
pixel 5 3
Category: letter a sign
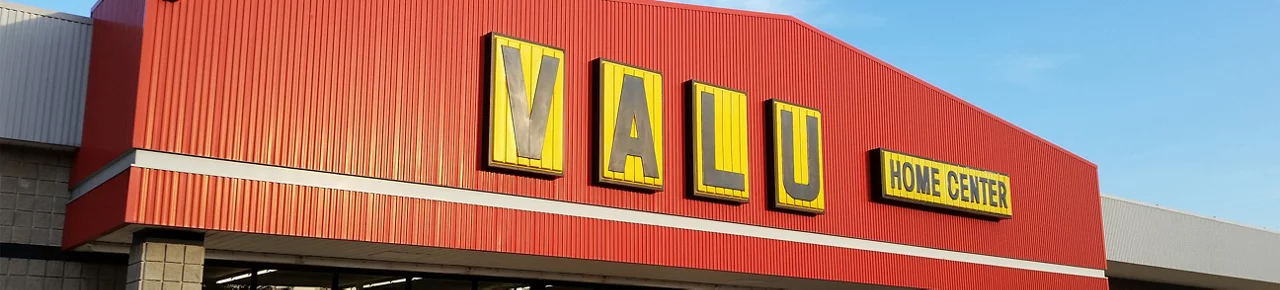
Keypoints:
pixel 630 112
pixel 526 106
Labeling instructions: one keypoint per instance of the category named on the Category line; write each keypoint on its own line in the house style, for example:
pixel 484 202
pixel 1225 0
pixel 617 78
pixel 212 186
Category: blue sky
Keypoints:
pixel 1176 101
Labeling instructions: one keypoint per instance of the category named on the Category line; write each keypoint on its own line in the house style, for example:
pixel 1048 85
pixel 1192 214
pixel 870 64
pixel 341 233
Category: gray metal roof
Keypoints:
pixel 44 69
pixel 1155 237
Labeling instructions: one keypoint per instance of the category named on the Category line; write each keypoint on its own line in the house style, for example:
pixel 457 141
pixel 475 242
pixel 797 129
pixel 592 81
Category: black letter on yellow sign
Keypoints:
pixel 530 125
pixel 805 192
pixel 630 126
pixel 633 110
pixel 795 126
pixel 712 175
pixel 718 164
pixel 526 106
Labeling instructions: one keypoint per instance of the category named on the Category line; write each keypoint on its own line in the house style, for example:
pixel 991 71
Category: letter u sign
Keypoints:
pixel 797 157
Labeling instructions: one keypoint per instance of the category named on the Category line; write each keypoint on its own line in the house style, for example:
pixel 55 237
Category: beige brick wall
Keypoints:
pixel 33 194
pixel 24 274
pixel 165 266
pixel 33 199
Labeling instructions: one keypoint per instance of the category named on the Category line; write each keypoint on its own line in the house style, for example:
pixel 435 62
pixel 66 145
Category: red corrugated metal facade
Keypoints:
pixel 394 90
pixel 224 204
pixel 114 64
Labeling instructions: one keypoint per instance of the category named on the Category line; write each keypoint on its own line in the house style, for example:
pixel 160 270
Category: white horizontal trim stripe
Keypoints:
pixel 103 174
pixel 248 171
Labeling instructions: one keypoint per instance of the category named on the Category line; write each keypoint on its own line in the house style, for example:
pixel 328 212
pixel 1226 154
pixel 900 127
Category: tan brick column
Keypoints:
pixel 165 260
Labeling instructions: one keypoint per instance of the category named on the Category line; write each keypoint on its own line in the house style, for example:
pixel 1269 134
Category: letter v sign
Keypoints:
pixel 530 126
pixel 526 133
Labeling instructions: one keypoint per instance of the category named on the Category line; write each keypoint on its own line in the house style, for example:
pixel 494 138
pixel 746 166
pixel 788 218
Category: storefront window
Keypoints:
pixel 562 287
pixel 420 283
pixel 494 285
pixel 371 282
pixel 487 285
pixel 272 279
pixel 219 276
pixel 568 288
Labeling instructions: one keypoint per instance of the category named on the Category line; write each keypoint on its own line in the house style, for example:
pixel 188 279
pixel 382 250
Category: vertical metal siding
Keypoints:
pixel 393 90
pixel 224 204
pixel 100 211
pixel 44 64
pixel 115 65
pixel 1152 236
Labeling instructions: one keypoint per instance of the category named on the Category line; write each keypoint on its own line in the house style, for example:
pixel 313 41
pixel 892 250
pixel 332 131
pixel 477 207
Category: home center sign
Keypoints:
pixel 527 131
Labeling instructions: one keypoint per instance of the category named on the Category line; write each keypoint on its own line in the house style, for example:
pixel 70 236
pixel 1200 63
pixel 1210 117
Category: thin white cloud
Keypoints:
pixel 1032 69
pixel 821 13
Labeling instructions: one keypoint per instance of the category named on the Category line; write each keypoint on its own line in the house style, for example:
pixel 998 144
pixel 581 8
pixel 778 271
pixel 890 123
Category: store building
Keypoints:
pixel 570 144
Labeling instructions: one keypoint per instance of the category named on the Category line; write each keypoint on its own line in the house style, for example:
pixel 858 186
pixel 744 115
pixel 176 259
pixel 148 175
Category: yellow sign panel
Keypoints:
pixel 630 108
pixel 797 169
pixel 939 184
pixel 719 142
pixel 526 106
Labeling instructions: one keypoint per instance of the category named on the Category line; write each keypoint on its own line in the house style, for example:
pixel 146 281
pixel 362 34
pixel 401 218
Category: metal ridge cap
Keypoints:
pixel 1183 212
pixel 46 12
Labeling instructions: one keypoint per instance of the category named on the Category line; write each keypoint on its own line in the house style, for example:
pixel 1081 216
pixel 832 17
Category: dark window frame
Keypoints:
pixel 334 272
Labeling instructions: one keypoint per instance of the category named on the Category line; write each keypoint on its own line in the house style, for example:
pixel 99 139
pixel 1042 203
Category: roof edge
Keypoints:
pixel 1177 211
pixel 1175 271
pixel 836 40
pixel 45 12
